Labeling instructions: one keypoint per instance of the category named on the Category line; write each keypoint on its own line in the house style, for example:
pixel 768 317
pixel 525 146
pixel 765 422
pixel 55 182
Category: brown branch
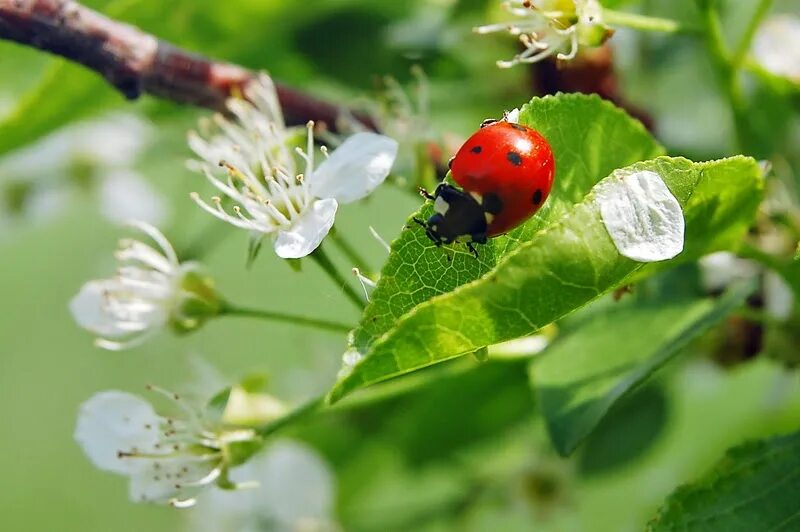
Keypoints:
pixel 137 63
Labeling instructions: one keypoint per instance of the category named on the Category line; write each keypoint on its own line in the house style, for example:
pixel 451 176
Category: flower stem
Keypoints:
pixel 641 22
pixel 321 258
pixel 348 250
pixel 232 310
pixel 749 32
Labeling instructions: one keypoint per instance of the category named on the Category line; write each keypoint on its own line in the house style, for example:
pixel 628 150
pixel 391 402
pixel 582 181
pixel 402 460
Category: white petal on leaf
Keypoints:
pixel 355 168
pixel 114 421
pixel 307 232
pixel 641 215
pixel 88 310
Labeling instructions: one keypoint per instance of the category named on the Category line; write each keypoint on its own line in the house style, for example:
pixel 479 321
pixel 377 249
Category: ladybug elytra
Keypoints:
pixel 505 171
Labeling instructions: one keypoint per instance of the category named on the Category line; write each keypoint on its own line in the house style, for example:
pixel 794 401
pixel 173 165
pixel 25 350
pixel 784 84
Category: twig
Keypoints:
pixel 137 63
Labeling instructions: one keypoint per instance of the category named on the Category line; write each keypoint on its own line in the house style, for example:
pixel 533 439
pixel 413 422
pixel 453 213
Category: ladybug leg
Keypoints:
pixel 425 194
pixel 472 249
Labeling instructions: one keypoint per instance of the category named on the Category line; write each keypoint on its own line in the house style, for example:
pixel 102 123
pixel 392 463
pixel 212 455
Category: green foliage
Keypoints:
pixel 754 487
pixel 560 269
pixel 608 355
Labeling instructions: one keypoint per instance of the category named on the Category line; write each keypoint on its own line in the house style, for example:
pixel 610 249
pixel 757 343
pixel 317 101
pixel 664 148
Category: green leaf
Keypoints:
pixel 581 376
pixel 754 487
pixel 66 93
pixel 589 137
pixel 562 268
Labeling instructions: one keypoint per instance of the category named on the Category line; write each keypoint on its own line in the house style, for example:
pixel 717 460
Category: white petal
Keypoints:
pixel 718 270
pixel 307 231
pixel 177 478
pixel 778 296
pixel 113 421
pixel 114 140
pixel 47 203
pixel 355 168
pixel 512 116
pixel 125 195
pixel 641 215
pixel 295 484
pixel 88 310
pixel 777 46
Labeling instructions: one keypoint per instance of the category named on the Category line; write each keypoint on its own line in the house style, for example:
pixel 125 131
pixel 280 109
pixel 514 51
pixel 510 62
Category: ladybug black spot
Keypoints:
pixel 537 196
pixel 514 158
pixel 476 149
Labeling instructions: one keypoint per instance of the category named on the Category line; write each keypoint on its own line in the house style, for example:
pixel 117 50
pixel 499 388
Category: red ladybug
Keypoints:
pixel 505 171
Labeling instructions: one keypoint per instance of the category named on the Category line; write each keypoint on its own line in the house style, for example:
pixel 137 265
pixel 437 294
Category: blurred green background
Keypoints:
pixel 469 453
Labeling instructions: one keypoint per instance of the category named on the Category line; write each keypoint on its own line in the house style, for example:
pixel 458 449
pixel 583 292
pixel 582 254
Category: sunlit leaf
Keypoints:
pixel 562 268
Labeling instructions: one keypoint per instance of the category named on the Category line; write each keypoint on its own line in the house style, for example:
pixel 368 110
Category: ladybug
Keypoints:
pixel 505 171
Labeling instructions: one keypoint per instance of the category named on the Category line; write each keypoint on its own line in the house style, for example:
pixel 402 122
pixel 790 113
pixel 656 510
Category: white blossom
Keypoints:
pixel 149 290
pixel 776 46
pixel 167 459
pixel 293 490
pixel 275 193
pixel 551 28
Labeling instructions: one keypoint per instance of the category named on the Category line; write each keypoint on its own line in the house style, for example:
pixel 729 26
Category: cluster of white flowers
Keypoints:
pixel 549 28
pixel 97 155
pixel 277 189
pixel 260 172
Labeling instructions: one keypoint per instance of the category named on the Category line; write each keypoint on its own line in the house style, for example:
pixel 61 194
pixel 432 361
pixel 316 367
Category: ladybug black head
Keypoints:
pixel 459 217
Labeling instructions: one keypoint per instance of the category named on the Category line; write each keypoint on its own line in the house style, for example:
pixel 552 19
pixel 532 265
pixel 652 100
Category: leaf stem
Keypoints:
pixel 321 258
pixel 641 22
pixel 233 310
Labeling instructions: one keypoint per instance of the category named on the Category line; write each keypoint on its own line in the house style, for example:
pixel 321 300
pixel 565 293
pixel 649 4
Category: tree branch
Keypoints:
pixel 137 63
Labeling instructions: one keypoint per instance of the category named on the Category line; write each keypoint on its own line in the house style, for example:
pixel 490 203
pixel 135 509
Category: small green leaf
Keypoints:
pixel 590 138
pixel 582 375
pixel 562 268
pixel 66 93
pixel 754 487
